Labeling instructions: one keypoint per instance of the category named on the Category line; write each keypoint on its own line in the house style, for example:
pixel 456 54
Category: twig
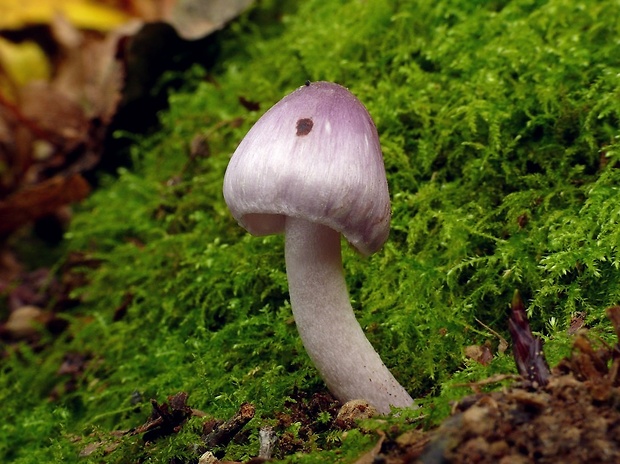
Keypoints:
pixel 224 433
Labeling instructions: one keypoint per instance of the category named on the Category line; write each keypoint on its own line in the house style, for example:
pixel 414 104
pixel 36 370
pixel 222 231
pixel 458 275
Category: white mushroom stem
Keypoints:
pixel 333 338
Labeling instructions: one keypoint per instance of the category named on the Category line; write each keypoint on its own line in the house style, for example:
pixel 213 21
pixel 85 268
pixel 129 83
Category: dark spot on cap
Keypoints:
pixel 307 83
pixel 304 126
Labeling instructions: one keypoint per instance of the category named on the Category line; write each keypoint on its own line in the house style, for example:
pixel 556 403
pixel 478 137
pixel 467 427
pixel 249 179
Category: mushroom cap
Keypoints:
pixel 314 155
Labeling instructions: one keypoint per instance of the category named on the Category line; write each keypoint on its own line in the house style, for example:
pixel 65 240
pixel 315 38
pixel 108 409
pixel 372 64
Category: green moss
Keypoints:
pixel 499 124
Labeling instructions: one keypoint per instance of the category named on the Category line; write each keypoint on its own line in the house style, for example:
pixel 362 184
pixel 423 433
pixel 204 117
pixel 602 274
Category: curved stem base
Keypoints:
pixel 333 338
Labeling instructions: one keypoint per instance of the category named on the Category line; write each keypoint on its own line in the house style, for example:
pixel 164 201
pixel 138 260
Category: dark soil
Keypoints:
pixel 575 418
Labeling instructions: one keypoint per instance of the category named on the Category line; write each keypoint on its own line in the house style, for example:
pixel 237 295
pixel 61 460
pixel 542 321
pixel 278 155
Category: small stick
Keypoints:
pixel 267 438
pixel 224 433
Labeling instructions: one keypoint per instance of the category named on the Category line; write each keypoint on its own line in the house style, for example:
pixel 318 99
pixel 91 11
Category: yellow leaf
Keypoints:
pixel 87 14
pixel 21 63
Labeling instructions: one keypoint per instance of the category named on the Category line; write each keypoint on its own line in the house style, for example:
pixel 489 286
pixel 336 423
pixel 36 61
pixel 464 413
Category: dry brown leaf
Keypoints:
pixel 23 322
pixel 89 70
pixel 480 354
pixel 196 18
pixel 50 127
pixel 89 14
pixel 191 19
pixel 57 118
pixel 40 200
pixel 56 124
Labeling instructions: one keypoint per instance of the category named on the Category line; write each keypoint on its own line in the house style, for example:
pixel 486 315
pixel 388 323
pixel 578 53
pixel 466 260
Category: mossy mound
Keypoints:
pixel 499 123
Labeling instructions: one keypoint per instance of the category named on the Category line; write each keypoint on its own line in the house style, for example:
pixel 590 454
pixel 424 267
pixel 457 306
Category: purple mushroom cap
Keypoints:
pixel 314 155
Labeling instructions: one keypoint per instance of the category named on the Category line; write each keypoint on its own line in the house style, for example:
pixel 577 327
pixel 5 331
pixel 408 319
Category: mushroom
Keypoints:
pixel 311 168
